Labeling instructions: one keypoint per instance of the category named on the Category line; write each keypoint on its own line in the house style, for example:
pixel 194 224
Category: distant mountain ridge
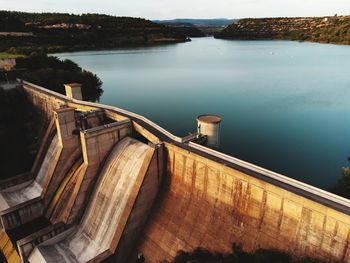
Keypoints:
pixel 200 22
pixel 186 29
pixel 207 26
pixel 329 29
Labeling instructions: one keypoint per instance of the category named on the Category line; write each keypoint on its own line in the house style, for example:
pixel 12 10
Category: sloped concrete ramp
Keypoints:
pixel 104 215
pixel 58 204
pixel 27 191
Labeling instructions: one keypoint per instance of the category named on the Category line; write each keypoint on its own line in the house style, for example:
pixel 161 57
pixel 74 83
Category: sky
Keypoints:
pixel 169 9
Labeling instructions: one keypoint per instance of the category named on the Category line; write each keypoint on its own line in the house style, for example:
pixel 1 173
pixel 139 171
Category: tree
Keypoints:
pixel 52 73
pixel 342 187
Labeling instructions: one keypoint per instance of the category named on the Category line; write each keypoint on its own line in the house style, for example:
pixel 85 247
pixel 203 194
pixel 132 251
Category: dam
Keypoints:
pixel 108 184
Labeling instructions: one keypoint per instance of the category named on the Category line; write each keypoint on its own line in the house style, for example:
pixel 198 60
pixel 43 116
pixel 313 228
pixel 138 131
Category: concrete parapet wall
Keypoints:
pixel 45 103
pixel 66 125
pixel 99 140
pixel 90 119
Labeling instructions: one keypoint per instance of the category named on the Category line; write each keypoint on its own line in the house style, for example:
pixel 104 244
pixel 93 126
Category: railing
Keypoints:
pixel 106 107
pixel 313 193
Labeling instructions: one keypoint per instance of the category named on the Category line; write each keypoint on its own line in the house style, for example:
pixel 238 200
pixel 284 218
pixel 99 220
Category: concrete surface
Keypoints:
pixel 105 212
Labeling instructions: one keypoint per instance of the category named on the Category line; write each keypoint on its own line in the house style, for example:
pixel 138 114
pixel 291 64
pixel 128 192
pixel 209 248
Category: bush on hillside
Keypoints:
pixel 52 73
pixel 342 187
pixel 238 255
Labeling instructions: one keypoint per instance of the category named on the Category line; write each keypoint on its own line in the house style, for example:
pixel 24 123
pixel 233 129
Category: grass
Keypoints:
pixel 9 55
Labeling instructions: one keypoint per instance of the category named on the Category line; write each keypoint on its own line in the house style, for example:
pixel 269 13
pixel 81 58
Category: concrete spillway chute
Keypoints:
pixel 129 165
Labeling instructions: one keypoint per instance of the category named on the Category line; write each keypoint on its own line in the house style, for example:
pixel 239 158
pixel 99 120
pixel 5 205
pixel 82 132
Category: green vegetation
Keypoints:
pixel 24 33
pixel 10 23
pixel 185 29
pixel 9 55
pixel 334 29
pixel 342 187
pixel 206 26
pixel 201 255
pixel 50 72
pixel 218 22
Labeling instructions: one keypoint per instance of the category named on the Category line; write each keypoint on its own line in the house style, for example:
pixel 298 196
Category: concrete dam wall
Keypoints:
pixel 147 191
pixel 207 204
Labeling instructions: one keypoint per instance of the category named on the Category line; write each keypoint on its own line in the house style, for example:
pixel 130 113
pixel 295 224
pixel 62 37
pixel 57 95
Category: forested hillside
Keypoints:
pixel 54 32
pixel 186 29
pixel 205 26
pixel 335 29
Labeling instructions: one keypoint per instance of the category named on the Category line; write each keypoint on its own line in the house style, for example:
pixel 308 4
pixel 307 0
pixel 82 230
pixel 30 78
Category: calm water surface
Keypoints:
pixel 286 105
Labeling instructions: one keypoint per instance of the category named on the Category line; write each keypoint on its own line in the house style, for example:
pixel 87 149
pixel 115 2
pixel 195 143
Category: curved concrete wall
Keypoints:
pixel 97 232
pixel 48 162
pixel 234 200
pixel 59 202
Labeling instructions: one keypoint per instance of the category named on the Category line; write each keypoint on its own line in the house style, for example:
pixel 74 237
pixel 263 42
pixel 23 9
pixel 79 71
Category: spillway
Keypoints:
pixel 96 232
pixel 30 190
pixel 58 204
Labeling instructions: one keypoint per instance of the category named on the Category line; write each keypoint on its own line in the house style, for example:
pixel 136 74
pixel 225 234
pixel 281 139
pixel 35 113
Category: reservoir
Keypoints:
pixel 285 105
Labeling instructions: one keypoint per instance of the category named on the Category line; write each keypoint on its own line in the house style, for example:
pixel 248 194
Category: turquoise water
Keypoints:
pixel 286 105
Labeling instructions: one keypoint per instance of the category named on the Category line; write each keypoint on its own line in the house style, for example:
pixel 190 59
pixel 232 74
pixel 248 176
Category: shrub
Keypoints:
pixel 52 73
pixel 342 187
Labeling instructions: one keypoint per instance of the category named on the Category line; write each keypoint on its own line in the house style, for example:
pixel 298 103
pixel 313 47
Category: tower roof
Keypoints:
pixel 209 118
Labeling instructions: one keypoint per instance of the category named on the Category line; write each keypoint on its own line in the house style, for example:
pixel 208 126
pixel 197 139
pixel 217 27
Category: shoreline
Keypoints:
pixel 282 39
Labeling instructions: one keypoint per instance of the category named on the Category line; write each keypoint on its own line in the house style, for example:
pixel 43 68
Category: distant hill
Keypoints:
pixel 207 26
pixel 221 22
pixel 186 29
pixel 335 29
pixel 55 32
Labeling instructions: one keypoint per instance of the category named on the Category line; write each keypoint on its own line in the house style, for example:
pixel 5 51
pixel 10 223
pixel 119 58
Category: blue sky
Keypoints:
pixel 167 9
